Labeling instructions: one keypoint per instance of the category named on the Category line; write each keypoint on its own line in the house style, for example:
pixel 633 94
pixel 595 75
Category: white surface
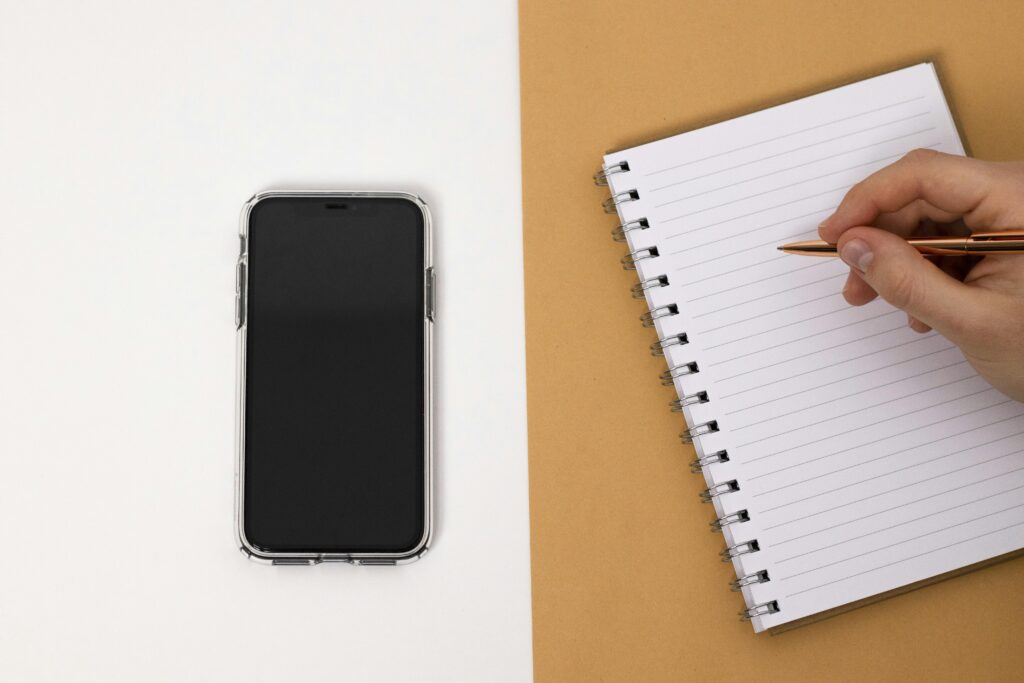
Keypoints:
pixel 831 415
pixel 129 139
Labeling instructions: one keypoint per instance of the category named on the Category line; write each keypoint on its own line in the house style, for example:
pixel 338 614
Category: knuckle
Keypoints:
pixel 919 156
pixel 855 190
pixel 856 194
pixel 902 289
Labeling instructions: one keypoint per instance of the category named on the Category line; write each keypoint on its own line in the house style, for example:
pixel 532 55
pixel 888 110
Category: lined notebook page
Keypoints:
pixel 868 456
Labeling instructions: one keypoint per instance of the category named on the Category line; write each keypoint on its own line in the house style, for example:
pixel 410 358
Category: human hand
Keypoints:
pixel 978 304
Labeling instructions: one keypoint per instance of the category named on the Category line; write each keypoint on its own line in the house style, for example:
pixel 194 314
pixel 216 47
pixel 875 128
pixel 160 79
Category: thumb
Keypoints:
pixel 907 280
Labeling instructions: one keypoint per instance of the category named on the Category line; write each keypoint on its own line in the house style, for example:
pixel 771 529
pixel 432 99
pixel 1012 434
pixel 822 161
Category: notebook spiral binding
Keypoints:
pixel 749 580
pixel 655 282
pixel 731 518
pixel 745 548
pixel 674 372
pixel 688 400
pixel 770 607
pixel 712 492
pixel 658 347
pixel 621 233
pixel 629 260
pixel 688 435
pixel 610 205
pixel 648 318
pixel 697 465
pixel 601 177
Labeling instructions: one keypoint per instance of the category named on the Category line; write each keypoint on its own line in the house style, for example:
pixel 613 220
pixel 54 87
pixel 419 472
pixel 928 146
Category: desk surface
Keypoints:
pixel 627 584
pixel 130 136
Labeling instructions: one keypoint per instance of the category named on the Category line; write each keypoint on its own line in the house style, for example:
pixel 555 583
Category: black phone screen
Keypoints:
pixel 334 375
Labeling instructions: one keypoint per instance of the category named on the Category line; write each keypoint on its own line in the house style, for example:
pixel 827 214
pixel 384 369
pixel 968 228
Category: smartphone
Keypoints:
pixel 335 316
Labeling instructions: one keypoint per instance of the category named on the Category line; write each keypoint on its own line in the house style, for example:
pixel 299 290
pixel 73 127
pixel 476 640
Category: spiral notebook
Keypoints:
pixel 845 455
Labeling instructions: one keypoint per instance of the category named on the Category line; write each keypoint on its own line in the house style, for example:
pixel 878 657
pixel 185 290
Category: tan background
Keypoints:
pixel 626 580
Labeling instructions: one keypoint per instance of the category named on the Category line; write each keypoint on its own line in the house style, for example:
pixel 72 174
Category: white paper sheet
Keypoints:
pixel 868 456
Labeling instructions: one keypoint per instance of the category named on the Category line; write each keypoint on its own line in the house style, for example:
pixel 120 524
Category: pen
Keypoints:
pixel 979 243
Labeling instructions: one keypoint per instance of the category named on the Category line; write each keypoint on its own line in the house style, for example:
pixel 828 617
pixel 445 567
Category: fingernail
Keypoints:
pixel 857 254
pixel 824 224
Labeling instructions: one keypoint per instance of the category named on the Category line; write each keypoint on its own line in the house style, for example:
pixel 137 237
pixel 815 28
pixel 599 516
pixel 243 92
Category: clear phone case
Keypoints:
pixel 241 304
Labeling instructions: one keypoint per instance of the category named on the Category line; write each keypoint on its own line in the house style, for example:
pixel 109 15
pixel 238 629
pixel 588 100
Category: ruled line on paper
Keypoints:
pixel 796 149
pixel 820 386
pixel 809 336
pixel 883 511
pixel 793 167
pixel 831 329
pixel 905 450
pixel 746 215
pixel 772 191
pixel 906 559
pixel 772 312
pixel 766 296
pixel 831 363
pixel 890 473
pixel 787 135
pixel 888 491
pixel 899 543
pixel 873 424
pixel 809 353
pixel 888 528
pixel 729 272
pixel 761 245
pixel 738 235
pixel 864 391
pixel 690 232
pixel 886 438
pixel 823 262
pixel 799 182
pixel 835 364
pixel 832 418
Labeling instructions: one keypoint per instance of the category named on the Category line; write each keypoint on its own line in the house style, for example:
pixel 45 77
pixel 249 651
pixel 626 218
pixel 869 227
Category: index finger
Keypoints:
pixel 951 183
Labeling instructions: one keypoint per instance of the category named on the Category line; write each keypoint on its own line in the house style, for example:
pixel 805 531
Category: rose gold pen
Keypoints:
pixel 977 244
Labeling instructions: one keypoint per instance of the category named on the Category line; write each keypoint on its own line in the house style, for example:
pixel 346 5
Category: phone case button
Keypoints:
pixel 430 295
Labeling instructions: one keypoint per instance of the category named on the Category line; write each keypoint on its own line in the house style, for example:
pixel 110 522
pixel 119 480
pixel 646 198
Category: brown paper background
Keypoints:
pixel 626 580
